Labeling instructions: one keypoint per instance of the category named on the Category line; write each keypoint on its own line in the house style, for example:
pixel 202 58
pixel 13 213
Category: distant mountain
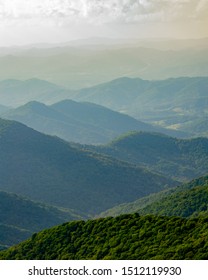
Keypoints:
pixel 169 103
pixel 21 217
pixel 49 170
pixel 188 200
pixel 85 123
pixel 181 159
pixel 125 237
pixel 16 92
pixel 84 66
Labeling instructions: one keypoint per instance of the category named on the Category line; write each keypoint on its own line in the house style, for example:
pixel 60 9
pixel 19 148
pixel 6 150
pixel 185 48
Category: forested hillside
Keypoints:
pixel 187 200
pixel 124 237
pixel 182 159
pixel 49 170
pixel 21 217
pixel 85 123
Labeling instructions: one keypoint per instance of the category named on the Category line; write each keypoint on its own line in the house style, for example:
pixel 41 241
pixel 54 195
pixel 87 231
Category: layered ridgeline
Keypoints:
pixel 49 170
pixel 188 200
pixel 78 66
pixel 172 103
pixel 124 237
pixel 179 104
pixel 184 159
pixel 21 217
pixel 85 123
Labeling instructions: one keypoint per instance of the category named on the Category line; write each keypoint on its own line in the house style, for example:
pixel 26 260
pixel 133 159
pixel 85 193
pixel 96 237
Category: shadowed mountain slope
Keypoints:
pixel 48 169
pixel 20 217
pixel 85 123
pixel 187 200
pixel 183 159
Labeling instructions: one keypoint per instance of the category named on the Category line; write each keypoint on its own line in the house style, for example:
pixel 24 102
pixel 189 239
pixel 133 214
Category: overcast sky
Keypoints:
pixel 52 21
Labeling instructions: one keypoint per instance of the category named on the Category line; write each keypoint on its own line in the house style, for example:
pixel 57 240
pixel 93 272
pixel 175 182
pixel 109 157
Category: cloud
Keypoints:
pixel 104 11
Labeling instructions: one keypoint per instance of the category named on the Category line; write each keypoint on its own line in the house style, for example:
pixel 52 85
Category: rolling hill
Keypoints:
pixel 85 123
pixel 125 237
pixel 49 170
pixel 183 159
pixel 21 217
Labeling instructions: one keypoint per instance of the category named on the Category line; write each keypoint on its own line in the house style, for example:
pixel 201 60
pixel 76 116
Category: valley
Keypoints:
pixel 104 150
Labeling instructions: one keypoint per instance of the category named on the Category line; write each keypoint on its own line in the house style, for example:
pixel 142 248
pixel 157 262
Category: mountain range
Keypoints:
pixel 170 103
pixel 49 170
pixel 72 182
pixel 176 104
pixel 80 122
pixel 75 66
pixel 103 150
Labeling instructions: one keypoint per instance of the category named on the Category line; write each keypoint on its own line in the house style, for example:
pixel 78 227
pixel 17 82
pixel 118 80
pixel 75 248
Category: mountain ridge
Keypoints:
pixel 72 178
pixel 82 122
pixel 183 159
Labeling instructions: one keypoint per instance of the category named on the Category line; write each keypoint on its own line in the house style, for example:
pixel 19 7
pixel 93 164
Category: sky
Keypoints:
pixel 53 21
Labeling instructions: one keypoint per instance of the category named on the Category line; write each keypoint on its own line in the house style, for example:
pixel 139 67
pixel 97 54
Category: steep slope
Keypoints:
pixel 187 200
pixel 20 217
pixel 48 169
pixel 179 158
pixel 85 123
pixel 124 237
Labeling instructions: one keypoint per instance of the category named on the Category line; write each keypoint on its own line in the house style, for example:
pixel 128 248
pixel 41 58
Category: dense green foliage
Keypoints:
pixel 123 237
pixel 193 202
pixel 49 170
pixel 182 159
pixel 187 200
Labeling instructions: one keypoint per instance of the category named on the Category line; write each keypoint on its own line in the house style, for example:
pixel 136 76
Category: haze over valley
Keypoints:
pixel 103 129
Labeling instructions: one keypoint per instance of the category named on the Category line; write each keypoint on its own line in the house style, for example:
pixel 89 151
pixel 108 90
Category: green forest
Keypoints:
pixel 129 236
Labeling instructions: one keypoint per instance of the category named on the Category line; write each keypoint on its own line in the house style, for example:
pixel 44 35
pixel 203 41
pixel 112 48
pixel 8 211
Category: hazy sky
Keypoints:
pixel 34 21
